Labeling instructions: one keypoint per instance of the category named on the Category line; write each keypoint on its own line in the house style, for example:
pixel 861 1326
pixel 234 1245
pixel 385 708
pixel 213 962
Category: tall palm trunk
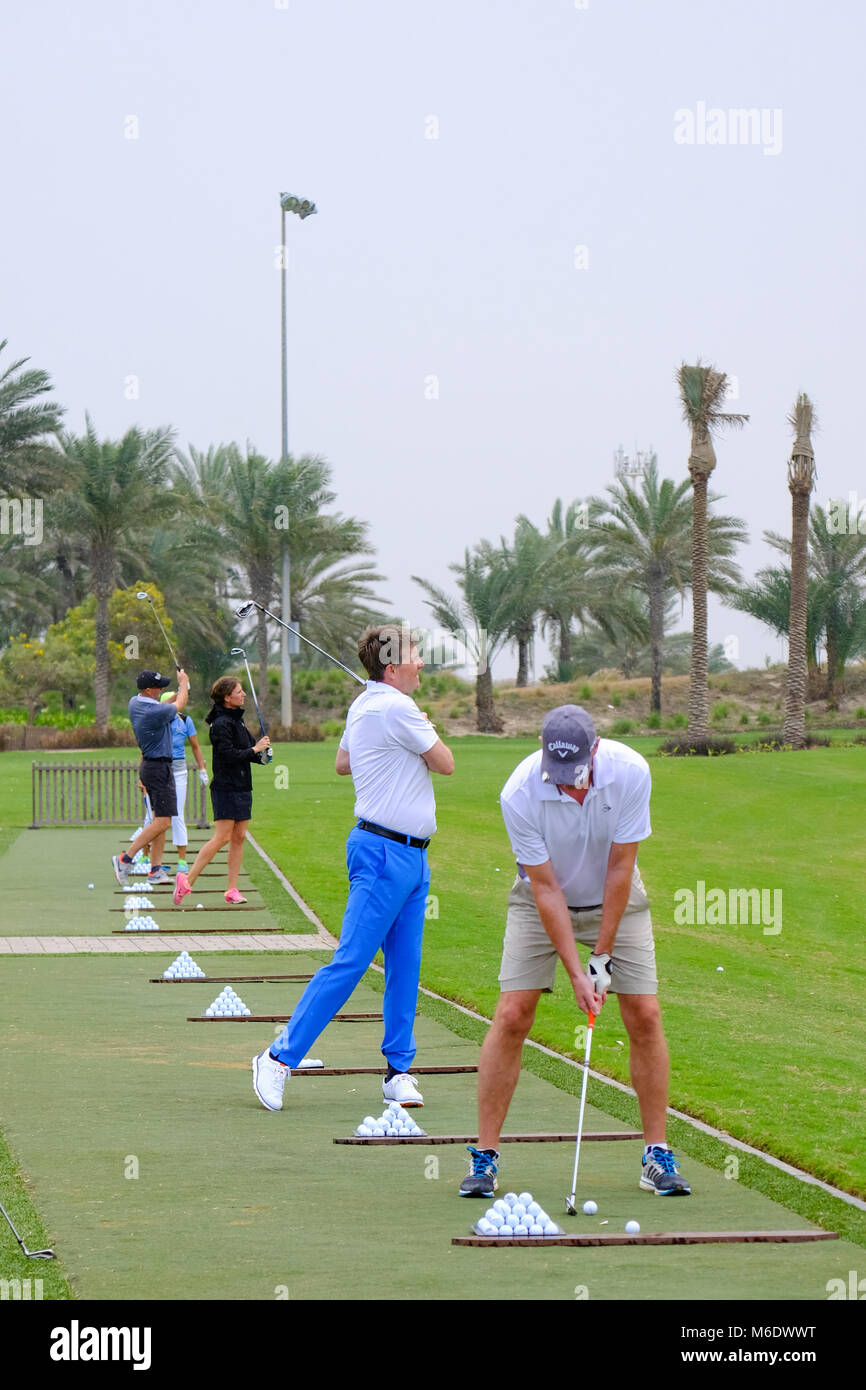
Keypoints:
pixel 102 573
pixel 657 634
pixel 487 720
pixel 524 639
pixel 701 464
pixel 564 638
pixel 795 697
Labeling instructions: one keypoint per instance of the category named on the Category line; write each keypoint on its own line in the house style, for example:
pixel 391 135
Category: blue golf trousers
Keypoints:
pixel 388 885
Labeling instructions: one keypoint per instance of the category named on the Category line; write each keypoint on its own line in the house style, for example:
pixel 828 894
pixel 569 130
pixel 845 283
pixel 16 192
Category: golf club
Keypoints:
pixel 569 1201
pixel 31 1254
pixel 245 610
pixel 141 594
pixel 239 651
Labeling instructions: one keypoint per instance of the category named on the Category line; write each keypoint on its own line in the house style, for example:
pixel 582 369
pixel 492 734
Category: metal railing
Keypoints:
pixel 88 793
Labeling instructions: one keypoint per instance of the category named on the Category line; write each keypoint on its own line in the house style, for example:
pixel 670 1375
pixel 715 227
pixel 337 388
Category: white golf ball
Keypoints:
pixel 208 1013
pixel 525 1198
pixel 368 1120
pixel 199 904
pixel 90 885
pixel 519 1210
pixel 720 967
pixel 632 1228
pixel 501 1207
pixel 378 1132
pixel 364 1131
pixel 511 1198
pixel 536 1230
pixel 533 1209
pixel 521 1229
pixel 590 1208
pixel 486 1228
pixel 495 1218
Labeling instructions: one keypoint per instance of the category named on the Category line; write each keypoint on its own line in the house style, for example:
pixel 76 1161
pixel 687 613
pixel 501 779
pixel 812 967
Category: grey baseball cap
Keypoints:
pixel 567 737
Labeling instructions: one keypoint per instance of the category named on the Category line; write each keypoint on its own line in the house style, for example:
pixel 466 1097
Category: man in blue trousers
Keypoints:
pixel 390 748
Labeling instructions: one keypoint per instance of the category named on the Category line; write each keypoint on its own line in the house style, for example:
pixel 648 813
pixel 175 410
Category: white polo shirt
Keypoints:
pixel 544 823
pixel 385 735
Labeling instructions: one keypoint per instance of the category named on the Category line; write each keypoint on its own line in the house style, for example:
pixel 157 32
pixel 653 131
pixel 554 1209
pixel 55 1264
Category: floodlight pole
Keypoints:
pixel 303 208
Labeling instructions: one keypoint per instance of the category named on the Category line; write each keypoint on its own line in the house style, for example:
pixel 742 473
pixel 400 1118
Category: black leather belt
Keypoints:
pixel 392 835
pixel 594 908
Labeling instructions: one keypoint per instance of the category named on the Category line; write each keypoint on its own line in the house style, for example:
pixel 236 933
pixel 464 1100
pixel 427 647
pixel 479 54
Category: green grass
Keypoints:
pixel 155 1143
pixel 771 1050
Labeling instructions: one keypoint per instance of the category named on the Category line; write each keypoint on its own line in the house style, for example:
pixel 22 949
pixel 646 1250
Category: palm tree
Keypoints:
pixel 702 392
pixel 768 598
pixel 570 584
pixel 801 480
pixel 26 458
pixel 645 543
pixel 523 560
pixel 116 490
pixel 246 502
pixel 837 563
pixel 483 617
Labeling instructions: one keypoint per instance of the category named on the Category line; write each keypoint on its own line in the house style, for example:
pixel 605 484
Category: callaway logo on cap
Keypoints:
pixel 567 738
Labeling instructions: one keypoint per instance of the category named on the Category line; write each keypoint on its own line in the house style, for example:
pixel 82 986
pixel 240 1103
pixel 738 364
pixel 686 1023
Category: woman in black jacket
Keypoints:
pixel 231 785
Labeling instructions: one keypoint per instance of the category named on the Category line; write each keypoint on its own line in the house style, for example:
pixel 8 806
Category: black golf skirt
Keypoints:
pixel 231 805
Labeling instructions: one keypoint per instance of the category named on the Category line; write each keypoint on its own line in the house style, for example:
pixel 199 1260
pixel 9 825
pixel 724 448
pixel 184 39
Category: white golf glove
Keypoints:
pixel 203 777
pixel 598 969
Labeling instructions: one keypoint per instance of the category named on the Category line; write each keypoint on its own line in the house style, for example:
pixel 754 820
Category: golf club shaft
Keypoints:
pixel 591 1022
pixel 239 651
pixel 309 643
pixel 162 629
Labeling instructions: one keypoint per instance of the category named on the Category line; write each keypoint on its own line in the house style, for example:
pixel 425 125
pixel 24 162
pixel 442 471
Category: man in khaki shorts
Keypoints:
pixel 575 813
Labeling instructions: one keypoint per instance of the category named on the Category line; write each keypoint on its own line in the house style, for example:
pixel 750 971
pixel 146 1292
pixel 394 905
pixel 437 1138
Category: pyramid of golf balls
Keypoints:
pixel 141 924
pixel 140 865
pixel 136 904
pixel 391 1124
pixel 227 1005
pixel 517 1215
pixel 183 967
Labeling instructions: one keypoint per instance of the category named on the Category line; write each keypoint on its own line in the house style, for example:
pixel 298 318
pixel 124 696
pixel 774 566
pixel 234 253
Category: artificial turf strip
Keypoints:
pixel 230 1201
pixel 810 1202
pixel 14 1264
pixel 45 874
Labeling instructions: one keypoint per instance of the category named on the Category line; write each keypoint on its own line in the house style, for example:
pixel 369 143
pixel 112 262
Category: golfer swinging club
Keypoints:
pixel 151 723
pixel 575 813
pixel 390 748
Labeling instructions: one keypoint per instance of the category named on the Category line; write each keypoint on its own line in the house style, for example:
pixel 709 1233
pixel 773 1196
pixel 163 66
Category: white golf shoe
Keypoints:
pixel 269 1080
pixel 402 1088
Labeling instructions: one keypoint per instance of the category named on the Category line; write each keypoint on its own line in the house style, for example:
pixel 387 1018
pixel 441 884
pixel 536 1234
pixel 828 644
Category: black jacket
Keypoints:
pixel 232 745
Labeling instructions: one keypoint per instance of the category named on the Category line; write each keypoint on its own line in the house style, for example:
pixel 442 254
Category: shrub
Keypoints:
pixel 302 731
pixel 676 721
pixel 744 718
pixel 817 741
pixel 455 712
pixel 712 747
pixel 88 736
pixel 616 699
pixel 720 712
pixel 654 720
pixel 858 738
pixel 631 693
pixel 622 726
pixel 763 717
pixel 585 692
pixel 332 728
pixel 860 712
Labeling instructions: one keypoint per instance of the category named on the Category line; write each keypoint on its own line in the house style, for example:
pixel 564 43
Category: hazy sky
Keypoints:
pixel 451 257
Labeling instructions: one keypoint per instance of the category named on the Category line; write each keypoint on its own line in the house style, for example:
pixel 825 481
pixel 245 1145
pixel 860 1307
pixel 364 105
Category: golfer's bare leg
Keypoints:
pixel 499 1064
pixel 236 852
pixel 649 1064
pixel 222 833
pixel 157 826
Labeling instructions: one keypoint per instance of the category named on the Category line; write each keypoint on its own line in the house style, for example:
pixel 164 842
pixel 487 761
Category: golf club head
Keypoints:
pixel 244 609
pixel 40 1254
pixel 142 594
pixel 570 1208
pixel 237 651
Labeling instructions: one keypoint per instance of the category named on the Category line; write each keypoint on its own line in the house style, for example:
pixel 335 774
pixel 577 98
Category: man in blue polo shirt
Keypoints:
pixel 182 728
pixel 151 724
pixel 390 748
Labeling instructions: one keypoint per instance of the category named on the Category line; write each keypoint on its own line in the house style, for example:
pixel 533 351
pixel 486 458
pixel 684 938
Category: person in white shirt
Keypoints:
pixel 575 813
pixel 390 748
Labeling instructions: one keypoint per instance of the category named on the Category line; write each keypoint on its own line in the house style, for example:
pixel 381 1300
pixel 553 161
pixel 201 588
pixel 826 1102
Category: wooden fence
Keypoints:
pixel 86 793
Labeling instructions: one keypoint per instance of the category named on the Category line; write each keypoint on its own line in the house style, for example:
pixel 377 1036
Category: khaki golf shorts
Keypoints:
pixel 529 958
